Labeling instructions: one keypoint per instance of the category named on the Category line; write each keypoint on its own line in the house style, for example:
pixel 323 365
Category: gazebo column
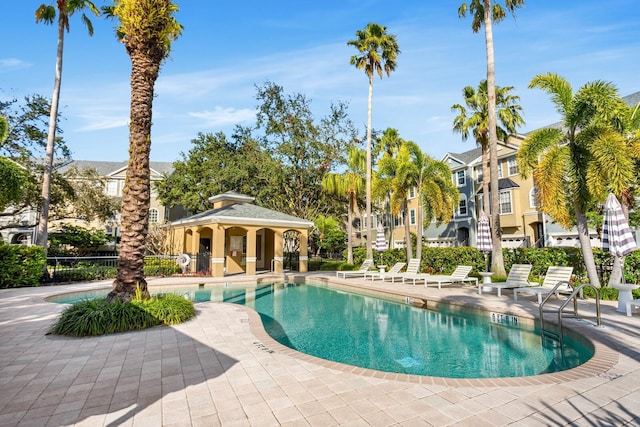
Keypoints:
pixel 304 252
pixel 278 252
pixel 251 259
pixel 217 251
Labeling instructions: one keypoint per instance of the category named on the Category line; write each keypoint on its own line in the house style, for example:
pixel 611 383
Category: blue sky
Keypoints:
pixel 227 48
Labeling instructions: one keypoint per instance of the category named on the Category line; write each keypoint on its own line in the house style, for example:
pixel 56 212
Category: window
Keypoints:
pixel 112 188
pixel 479 173
pixel 412 193
pixel 499 169
pixel 505 202
pixel 512 166
pixel 412 217
pixel 398 220
pixel 460 178
pixel 153 216
pixel 533 197
pixel 462 207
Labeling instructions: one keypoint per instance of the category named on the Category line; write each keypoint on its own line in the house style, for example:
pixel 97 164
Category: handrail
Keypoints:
pixel 560 334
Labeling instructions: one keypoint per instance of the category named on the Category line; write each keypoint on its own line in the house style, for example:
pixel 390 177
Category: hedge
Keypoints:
pixel 21 265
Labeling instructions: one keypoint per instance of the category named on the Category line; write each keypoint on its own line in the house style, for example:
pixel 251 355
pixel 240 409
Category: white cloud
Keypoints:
pixel 10 64
pixel 225 116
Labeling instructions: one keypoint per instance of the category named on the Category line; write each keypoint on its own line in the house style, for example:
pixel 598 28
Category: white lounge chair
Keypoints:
pixel 412 268
pixel 553 276
pixel 459 275
pixel 518 278
pixel 380 275
pixel 366 265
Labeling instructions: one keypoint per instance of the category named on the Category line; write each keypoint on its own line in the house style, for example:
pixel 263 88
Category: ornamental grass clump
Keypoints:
pixel 99 317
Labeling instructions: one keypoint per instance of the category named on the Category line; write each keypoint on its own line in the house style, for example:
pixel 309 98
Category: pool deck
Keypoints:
pixel 221 368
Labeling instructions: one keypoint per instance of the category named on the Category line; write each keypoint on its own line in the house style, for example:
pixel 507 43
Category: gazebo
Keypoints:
pixel 237 236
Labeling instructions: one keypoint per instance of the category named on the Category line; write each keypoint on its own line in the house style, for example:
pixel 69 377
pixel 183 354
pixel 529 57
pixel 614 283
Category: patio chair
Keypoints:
pixel 413 267
pixel 382 275
pixel 554 275
pixel 366 265
pixel 518 278
pixel 459 275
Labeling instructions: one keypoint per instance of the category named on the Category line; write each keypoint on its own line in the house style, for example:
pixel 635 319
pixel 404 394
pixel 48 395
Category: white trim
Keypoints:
pixel 303 258
pixel 245 221
pixel 278 258
pixel 251 259
pixel 217 260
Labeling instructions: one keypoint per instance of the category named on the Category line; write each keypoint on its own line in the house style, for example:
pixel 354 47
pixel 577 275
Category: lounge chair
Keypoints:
pixel 380 275
pixel 459 275
pixel 366 265
pixel 413 267
pixel 553 276
pixel 518 278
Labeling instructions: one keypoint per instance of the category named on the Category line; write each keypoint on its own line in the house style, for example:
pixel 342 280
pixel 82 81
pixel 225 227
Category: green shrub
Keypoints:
pixel 21 265
pixel 169 308
pixel 99 317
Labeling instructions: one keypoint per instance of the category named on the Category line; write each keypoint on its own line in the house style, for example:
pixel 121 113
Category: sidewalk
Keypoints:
pixel 222 369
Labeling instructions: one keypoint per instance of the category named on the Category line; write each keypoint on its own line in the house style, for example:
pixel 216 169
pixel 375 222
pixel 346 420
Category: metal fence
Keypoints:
pixel 67 269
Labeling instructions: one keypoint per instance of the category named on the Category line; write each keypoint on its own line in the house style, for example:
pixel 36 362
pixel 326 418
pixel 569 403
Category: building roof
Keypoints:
pixel 247 214
pixel 504 184
pixel 108 168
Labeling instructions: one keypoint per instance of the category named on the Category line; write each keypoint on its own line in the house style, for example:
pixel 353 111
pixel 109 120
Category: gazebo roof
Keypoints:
pixel 244 214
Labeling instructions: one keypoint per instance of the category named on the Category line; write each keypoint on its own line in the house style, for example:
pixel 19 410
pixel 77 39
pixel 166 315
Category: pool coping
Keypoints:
pixel 605 356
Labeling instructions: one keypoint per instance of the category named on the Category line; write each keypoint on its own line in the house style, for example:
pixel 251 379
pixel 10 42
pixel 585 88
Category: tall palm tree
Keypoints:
pixel 388 145
pixel 476 122
pixel 386 186
pixel 47 14
pixel 378 52
pixel 572 165
pixel 349 184
pixel 484 13
pixel 435 190
pixel 616 155
pixel 146 28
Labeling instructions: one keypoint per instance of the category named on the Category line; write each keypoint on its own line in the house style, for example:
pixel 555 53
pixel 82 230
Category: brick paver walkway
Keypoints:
pixel 222 369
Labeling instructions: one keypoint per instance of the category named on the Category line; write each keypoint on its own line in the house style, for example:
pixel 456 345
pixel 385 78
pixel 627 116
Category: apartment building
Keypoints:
pixel 23 229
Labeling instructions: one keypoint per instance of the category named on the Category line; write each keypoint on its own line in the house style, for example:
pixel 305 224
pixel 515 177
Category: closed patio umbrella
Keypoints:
pixel 381 241
pixel 617 238
pixel 483 237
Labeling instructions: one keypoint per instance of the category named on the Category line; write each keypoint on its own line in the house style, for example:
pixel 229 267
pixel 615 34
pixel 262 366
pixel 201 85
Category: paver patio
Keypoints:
pixel 221 368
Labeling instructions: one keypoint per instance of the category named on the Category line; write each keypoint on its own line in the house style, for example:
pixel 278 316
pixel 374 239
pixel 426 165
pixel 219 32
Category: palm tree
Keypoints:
pixel 476 121
pixel 146 28
pixel 388 145
pixel 484 13
pixel 435 190
pixel 616 155
pixel 378 52
pixel 348 184
pixel 47 14
pixel 571 166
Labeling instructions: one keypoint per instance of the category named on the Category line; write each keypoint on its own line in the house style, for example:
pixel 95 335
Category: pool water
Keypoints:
pixel 387 336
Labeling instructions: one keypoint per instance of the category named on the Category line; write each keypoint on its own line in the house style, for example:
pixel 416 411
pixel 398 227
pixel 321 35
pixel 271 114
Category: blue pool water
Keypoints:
pixel 388 336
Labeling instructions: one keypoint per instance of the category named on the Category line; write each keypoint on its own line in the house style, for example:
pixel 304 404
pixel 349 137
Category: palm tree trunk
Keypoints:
pixel 368 182
pixel 419 227
pixel 585 243
pixel 407 230
pixel 497 261
pixel 486 202
pixel 136 192
pixel 350 231
pixel 43 221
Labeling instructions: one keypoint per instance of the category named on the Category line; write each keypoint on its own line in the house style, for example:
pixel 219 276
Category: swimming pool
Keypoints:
pixel 373 333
